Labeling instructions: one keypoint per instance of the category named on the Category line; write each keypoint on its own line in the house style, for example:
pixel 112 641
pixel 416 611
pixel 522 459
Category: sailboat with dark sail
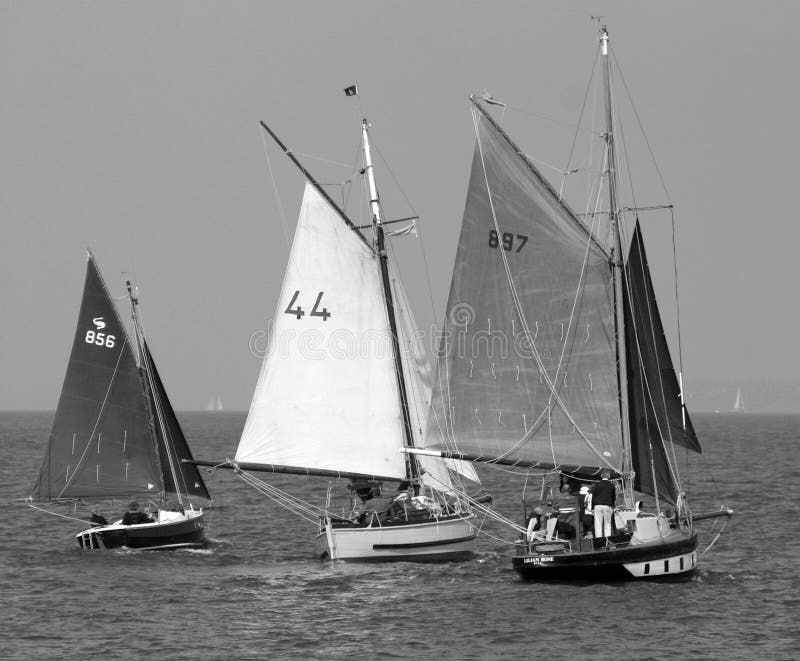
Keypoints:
pixel 586 384
pixel 116 436
pixel 344 406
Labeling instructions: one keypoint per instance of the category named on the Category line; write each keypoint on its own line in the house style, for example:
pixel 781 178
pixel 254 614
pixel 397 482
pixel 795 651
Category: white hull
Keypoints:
pixel 434 540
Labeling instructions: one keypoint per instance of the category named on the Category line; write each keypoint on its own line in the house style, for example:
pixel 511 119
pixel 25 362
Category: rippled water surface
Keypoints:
pixel 260 592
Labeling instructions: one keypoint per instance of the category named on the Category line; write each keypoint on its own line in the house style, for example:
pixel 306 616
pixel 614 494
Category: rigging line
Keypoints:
pixel 63 516
pixel 97 419
pixel 298 505
pixel 521 315
pixel 178 477
pixel 323 160
pixel 565 173
pixel 671 461
pixel 677 304
pixel 580 120
pixel 578 294
pixel 641 126
pixel 279 202
pixel 394 178
pixel 169 445
pixel 529 113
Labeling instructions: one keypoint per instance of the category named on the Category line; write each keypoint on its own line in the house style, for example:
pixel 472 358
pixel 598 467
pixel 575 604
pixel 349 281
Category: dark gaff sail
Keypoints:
pixel 100 444
pixel 172 445
pixel 528 359
pixel 654 402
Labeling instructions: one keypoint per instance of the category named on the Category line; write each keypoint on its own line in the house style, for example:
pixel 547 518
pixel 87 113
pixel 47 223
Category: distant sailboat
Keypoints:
pixel 349 415
pixel 531 271
pixel 738 405
pixel 214 404
pixel 115 434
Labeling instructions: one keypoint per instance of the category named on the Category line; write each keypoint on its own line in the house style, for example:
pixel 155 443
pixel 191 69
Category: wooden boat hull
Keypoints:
pixel 173 530
pixel 673 558
pixel 446 539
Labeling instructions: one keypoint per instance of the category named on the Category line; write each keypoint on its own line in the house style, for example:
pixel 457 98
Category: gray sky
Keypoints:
pixel 133 128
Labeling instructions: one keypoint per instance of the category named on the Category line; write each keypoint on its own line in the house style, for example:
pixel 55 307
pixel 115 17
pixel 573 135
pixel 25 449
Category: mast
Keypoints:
pixel 151 402
pixel 618 259
pixel 374 202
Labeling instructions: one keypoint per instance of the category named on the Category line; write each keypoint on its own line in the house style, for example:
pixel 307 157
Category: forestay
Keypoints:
pixel 327 396
pixel 529 368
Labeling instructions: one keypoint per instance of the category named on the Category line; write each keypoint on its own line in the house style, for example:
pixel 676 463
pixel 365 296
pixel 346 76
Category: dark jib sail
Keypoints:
pixel 172 445
pixel 656 421
pixel 96 446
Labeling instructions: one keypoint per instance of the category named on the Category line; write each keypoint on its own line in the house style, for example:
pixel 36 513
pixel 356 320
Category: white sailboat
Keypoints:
pixel 340 394
pixel 738 405
pixel 589 385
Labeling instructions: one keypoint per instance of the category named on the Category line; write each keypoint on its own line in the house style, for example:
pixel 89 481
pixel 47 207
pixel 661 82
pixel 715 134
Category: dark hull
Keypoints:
pixel 673 559
pixel 188 532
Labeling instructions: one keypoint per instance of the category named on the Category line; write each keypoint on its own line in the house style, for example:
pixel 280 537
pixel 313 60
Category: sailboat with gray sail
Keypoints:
pixel 115 436
pixel 345 409
pixel 587 383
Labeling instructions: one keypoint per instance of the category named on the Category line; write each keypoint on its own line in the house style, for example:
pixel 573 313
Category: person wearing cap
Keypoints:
pixel 134 516
pixel 603 499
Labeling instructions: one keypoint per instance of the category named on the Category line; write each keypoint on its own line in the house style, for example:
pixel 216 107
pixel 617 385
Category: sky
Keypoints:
pixel 133 128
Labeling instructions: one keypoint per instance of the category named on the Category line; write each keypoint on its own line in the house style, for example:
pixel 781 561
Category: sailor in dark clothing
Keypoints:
pixel 134 516
pixel 603 499
pixel 97 519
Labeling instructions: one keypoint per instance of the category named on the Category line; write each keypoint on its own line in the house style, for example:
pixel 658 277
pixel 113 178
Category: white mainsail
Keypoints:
pixel 327 396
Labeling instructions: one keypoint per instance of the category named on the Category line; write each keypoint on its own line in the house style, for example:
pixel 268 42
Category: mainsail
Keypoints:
pixel 101 441
pixel 654 402
pixel 529 369
pixel 327 396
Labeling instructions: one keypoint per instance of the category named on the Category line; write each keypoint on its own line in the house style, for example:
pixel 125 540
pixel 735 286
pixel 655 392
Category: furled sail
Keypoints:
pixel 327 396
pixel 101 443
pixel 172 445
pixel 654 402
pixel 528 366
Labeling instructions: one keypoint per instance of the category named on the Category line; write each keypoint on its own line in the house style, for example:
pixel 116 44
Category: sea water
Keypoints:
pixel 260 591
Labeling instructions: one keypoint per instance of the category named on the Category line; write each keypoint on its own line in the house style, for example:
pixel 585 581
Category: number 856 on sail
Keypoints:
pixel 100 339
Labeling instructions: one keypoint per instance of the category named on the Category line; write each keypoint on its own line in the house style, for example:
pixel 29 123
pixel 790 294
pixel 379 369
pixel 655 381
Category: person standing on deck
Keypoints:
pixel 603 499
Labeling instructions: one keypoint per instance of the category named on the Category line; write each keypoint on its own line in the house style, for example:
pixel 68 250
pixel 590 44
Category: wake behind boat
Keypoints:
pixel 588 385
pixel 115 436
pixel 341 413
